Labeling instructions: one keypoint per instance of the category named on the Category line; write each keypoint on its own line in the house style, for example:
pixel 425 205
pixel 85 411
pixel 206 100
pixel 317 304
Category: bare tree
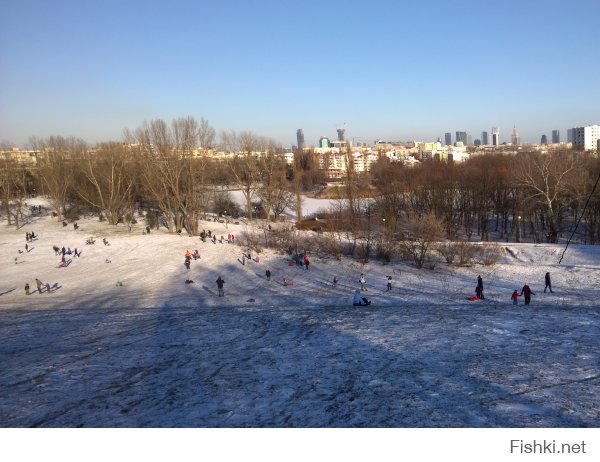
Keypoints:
pixel 55 165
pixel 424 232
pixel 168 169
pixel 16 181
pixel 246 149
pixel 272 170
pixel 107 179
pixel 548 181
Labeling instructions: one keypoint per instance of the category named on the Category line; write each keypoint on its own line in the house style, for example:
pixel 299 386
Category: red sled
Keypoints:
pixel 472 299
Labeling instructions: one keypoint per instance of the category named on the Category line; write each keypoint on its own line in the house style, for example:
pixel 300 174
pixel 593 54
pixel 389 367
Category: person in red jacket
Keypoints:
pixel 515 297
pixel 527 292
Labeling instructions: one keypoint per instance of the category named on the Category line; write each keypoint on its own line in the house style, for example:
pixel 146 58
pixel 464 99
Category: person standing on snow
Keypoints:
pixel 548 283
pixel 528 293
pixel 363 282
pixel 389 283
pixel 268 275
pixel 220 283
pixel 39 285
pixel 26 288
pixel 479 289
pixel 515 297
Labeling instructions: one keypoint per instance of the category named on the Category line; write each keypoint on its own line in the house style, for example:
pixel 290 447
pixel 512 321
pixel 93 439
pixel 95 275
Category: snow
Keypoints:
pixel 156 352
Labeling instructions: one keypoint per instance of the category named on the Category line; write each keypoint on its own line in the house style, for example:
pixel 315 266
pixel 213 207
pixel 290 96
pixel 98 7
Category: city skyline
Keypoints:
pixel 93 70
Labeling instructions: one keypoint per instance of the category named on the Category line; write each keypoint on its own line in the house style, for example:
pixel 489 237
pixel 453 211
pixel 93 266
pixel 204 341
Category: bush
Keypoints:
pixel 222 202
pixel 252 240
pixel 153 218
pixel 425 231
pixel 490 254
pixel 461 253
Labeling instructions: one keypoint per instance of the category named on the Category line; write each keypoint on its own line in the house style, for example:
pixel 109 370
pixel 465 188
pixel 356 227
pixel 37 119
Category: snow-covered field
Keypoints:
pixel 156 352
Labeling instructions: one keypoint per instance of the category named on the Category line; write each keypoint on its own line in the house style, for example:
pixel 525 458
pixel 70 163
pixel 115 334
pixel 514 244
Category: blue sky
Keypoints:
pixel 397 70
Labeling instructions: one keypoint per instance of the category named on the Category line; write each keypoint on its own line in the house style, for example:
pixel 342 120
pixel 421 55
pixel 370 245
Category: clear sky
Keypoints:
pixel 398 70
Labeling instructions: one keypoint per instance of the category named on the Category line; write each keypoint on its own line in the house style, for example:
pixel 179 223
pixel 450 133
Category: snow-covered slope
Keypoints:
pixel 158 352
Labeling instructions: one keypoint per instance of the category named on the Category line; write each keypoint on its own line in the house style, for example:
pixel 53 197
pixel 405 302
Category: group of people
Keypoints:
pixel 29 237
pixel 526 291
pixel 363 282
pixel 66 251
pixel 39 284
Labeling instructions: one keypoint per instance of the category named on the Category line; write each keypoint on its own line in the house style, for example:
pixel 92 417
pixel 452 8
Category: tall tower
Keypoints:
pixel 461 137
pixel 340 132
pixel 555 136
pixel 300 138
pixel 544 140
pixel 448 139
pixel 484 138
pixel 514 137
pixel 495 136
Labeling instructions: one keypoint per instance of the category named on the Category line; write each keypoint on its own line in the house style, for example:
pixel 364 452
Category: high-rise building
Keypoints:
pixel 448 139
pixel 324 142
pixel 300 138
pixel 569 135
pixel 477 142
pixel 340 132
pixel 514 137
pixel 461 137
pixel 555 136
pixel 495 136
pixel 544 140
pixel 586 137
pixel 484 138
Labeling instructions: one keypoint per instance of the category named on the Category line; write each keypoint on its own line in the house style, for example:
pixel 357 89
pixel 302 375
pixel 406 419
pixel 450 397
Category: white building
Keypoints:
pixel 586 137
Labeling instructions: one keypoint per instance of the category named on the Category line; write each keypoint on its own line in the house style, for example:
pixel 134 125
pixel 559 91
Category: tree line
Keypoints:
pixel 166 171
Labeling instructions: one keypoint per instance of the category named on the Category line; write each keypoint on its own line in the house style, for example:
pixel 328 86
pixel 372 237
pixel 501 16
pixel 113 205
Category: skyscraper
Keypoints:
pixel 514 137
pixel 300 138
pixel 555 136
pixel 340 132
pixel 461 137
pixel 484 138
pixel 544 140
pixel 495 136
pixel 448 139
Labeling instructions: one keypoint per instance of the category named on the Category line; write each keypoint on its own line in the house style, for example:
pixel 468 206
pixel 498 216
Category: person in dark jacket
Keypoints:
pixel 268 274
pixel 527 292
pixel 220 283
pixel 479 289
pixel 548 283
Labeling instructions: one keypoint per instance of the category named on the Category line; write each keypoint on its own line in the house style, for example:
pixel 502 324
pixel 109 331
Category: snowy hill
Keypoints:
pixel 158 352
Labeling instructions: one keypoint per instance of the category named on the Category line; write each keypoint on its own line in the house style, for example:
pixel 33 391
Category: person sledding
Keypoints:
pixel 360 301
